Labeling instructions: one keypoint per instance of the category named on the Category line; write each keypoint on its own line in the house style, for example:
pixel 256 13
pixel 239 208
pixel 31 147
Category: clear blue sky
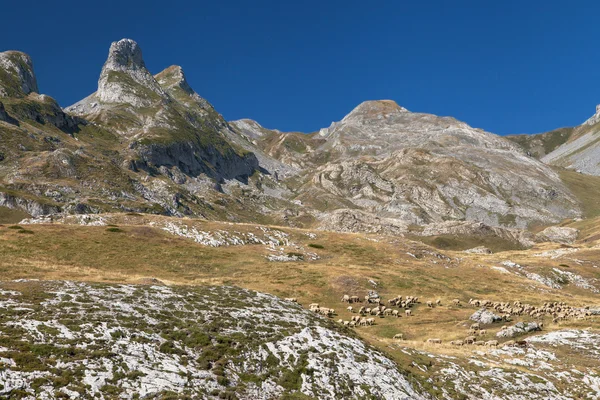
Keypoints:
pixel 505 66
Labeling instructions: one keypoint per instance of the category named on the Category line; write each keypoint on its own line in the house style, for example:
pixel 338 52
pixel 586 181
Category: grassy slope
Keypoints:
pixel 544 143
pixel 347 265
pixel 586 188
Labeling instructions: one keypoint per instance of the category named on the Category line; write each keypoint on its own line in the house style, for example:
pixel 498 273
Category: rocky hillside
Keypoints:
pixel 184 342
pixel 418 168
pixel 164 121
pixel 582 151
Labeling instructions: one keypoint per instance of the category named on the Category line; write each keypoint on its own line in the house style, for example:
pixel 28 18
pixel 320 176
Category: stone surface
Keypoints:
pixel 485 316
pixel 193 342
pixel 558 234
pixel 520 328
pixel 17 78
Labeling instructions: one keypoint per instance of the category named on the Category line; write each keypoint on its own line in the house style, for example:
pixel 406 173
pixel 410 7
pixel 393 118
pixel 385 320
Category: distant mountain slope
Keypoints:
pixel 539 145
pixel 421 168
pixel 150 143
pixel 581 152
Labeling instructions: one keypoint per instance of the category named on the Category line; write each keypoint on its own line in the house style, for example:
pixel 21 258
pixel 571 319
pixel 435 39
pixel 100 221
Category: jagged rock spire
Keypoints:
pixel 125 79
pixel 17 78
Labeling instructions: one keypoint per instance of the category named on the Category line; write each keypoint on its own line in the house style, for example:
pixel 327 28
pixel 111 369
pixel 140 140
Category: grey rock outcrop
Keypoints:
pixel 17 77
pixel 558 234
pixel 484 316
pixel 347 220
pixel 520 328
pixel 33 207
pixel 479 250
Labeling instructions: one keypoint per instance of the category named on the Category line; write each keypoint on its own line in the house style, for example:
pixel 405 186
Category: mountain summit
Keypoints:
pixel 17 78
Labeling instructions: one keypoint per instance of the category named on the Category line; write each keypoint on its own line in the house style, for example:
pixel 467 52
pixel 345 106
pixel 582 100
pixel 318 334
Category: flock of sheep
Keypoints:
pixel 557 310
pixel 375 307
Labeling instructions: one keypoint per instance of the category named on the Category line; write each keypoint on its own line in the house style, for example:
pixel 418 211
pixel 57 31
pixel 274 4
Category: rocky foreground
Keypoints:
pixel 63 339
pixel 75 340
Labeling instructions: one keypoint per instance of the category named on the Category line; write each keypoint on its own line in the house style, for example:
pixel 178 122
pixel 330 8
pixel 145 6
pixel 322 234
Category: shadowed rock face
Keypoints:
pixel 17 78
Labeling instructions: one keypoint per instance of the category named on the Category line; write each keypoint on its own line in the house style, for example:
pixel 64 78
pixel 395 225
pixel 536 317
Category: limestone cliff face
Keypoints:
pixel 17 78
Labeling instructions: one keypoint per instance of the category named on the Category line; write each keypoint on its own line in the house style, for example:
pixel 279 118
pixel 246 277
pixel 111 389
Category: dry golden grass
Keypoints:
pixel 347 264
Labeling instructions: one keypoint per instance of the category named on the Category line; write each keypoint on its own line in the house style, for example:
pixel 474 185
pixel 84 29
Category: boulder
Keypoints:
pixel 520 328
pixel 479 250
pixel 558 234
pixel 484 316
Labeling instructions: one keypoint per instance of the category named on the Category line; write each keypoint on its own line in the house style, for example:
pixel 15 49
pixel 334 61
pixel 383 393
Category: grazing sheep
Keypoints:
pixel 352 324
pixel 456 302
pixel 399 336
pixel 354 299
pixel 408 312
pixel 313 305
pixel 367 310
pixel 346 299
pixel 341 321
pixel 346 323
pixel 438 302
pixel 475 326
pixel 430 304
pixel 434 341
pixel 370 321
pixel 457 343
pixel 292 299
pixel 395 313
pixel 361 310
pixel 510 343
pixel 470 339
pixel 492 343
pixel 388 311
pixel 479 343
pixel 482 332
pixel 350 309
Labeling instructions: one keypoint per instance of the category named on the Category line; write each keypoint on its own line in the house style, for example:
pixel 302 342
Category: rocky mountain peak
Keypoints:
pixel 376 109
pixel 124 80
pixel 173 77
pixel 17 78
pixel 124 54
pixel 594 119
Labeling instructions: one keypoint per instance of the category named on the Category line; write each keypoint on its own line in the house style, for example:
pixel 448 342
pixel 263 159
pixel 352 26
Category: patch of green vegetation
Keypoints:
pixel 316 246
pixel 507 220
pixel 11 216
pixel 114 229
pixel 291 379
pixel 15 227
pixel 465 242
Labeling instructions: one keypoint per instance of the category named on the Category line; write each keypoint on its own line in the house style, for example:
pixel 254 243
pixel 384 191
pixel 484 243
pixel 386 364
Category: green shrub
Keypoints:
pixel 113 229
pixel 316 246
